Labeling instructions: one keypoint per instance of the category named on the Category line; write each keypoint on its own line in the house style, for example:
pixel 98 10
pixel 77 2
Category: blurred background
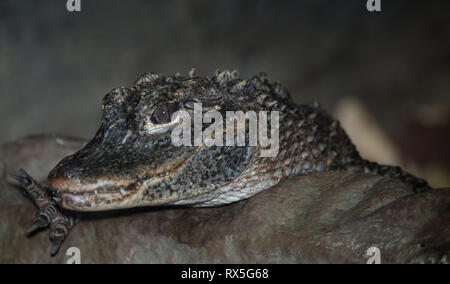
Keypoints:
pixel 385 75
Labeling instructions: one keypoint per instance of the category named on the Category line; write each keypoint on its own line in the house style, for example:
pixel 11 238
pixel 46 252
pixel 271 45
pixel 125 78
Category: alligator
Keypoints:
pixel 132 162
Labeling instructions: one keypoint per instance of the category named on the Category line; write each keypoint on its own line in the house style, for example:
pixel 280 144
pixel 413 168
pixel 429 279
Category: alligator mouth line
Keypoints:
pixel 95 197
pixel 95 200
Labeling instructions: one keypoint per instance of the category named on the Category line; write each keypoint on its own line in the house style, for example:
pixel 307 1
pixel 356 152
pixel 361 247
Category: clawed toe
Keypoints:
pixel 23 178
pixel 37 224
pixel 49 214
pixel 59 229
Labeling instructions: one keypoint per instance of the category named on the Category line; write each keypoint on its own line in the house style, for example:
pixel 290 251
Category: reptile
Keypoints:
pixel 131 162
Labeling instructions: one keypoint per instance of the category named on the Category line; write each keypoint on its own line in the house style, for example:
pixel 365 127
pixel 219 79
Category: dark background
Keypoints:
pixel 55 66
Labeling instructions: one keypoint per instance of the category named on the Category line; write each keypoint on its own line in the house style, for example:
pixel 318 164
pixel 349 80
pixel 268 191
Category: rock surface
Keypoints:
pixel 323 218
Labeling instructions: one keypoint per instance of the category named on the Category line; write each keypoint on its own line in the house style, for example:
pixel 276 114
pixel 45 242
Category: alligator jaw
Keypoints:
pixel 98 196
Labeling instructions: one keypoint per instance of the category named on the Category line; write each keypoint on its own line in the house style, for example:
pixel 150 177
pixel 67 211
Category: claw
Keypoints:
pixel 37 224
pixel 56 244
pixel 23 178
pixel 58 232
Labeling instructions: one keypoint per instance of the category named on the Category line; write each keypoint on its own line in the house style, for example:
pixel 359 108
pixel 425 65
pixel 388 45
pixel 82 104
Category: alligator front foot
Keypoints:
pixel 49 214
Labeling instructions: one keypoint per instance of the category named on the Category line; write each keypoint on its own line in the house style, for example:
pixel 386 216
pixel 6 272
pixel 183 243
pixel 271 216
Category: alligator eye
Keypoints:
pixel 163 114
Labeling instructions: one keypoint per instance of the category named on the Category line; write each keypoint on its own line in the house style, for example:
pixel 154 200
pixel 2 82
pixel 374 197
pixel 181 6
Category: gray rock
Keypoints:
pixel 323 218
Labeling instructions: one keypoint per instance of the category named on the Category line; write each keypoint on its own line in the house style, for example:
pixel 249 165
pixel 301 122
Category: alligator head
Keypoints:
pixel 132 161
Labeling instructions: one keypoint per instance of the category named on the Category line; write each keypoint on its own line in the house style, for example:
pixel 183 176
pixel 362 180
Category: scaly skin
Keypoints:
pixel 131 161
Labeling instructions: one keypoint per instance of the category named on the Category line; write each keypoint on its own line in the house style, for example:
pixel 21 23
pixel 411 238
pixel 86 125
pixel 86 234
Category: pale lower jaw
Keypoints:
pixel 91 201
